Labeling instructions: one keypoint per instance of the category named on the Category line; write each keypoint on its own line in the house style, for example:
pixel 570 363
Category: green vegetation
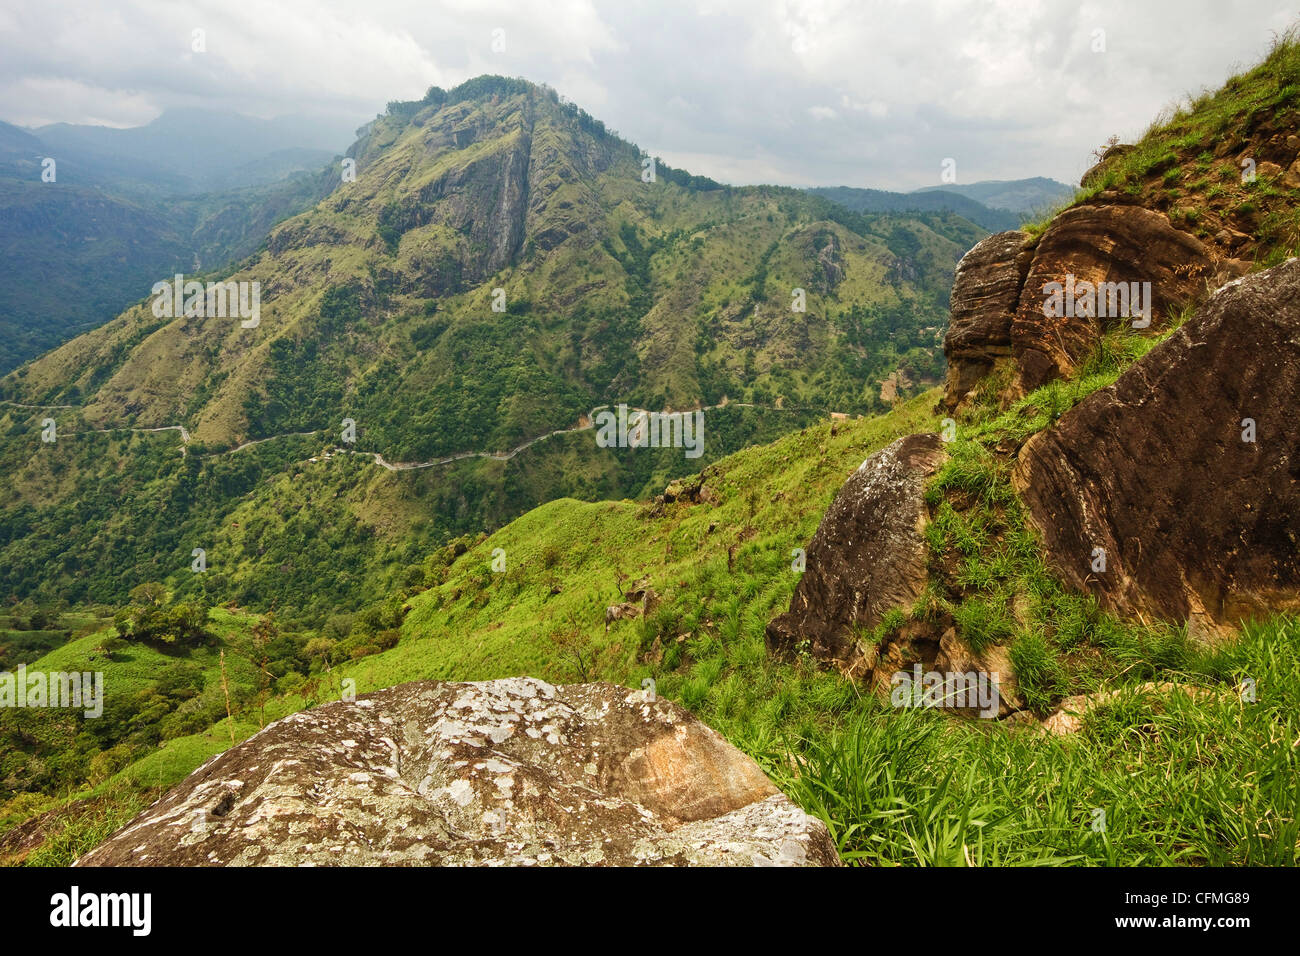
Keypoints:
pixel 28 631
pixel 895 787
pixel 378 577
pixel 89 252
pixel 1172 166
pixel 1205 780
pixel 163 682
pixel 152 620
pixel 664 295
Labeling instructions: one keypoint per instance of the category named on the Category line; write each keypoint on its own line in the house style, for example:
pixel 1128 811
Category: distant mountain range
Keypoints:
pixel 184 152
pixel 880 201
pixel 993 205
pixel 191 191
pixel 1027 197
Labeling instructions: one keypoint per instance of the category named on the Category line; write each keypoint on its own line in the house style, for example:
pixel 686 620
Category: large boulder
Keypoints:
pixel 1101 244
pixel 1195 522
pixel 868 556
pixel 985 293
pixel 1002 293
pixel 502 772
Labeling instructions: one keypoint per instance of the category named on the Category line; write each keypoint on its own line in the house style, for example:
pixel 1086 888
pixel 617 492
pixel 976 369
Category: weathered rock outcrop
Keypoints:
pixel 1070 714
pixel 1196 523
pixel 1001 292
pixel 985 294
pixel 869 555
pixel 1094 245
pixel 505 772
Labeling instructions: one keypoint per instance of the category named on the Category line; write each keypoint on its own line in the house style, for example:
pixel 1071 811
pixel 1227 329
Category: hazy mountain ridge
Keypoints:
pixel 193 149
pixel 1026 197
pixel 117 216
pixel 880 200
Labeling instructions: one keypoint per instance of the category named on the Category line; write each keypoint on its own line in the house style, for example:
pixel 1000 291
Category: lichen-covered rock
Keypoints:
pixel 504 772
pixel 868 556
pixel 1185 474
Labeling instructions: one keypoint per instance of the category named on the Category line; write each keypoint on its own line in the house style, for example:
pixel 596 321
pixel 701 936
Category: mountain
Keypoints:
pixel 124 206
pixel 191 151
pixel 87 252
pixel 377 306
pixel 17 145
pixel 1026 197
pixel 880 200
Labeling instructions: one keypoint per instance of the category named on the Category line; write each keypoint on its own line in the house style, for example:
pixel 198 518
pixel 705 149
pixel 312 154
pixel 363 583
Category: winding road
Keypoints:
pixel 378 457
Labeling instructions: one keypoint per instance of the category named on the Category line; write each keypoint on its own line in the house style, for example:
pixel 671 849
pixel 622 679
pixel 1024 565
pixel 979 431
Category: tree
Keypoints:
pixel 264 632
pixel 319 648
pixel 149 594
pixel 180 625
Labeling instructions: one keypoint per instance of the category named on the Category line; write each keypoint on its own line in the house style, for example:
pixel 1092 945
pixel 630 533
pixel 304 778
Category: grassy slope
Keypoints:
pixel 1187 164
pixel 1214 781
pixel 575 539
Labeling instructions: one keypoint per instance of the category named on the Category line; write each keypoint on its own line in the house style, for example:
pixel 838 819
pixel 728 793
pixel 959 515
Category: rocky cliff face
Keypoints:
pixel 1185 472
pixel 1104 244
pixel 985 294
pixel 1003 293
pixel 1170 495
pixel 1207 191
pixel 870 556
pixel 513 771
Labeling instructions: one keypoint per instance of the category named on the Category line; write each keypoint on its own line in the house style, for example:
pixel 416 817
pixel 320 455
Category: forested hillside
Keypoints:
pixel 501 266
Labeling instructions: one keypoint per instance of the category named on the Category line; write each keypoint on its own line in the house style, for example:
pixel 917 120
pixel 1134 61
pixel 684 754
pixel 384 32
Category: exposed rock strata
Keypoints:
pixel 1110 264
pixel 869 555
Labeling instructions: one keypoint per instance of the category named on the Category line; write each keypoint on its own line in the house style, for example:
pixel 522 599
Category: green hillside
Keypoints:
pixel 95 238
pixel 953 793
pixel 330 574
pixel 378 307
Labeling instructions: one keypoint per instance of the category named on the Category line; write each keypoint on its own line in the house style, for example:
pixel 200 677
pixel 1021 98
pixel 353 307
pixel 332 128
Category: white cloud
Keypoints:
pixel 40 100
pixel 870 92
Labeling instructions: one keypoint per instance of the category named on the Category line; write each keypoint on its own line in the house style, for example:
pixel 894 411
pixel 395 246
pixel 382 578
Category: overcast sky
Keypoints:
pixel 799 92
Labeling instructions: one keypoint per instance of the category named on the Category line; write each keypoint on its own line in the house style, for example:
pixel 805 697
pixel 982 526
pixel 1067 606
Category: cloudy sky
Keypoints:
pixel 799 92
